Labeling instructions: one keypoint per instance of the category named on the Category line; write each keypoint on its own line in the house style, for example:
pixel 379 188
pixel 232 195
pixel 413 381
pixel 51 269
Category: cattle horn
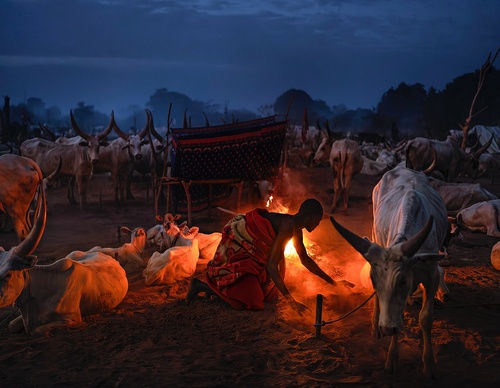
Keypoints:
pixel 483 148
pixel 29 244
pixel 147 126
pixel 207 123
pixel 152 129
pixel 108 129
pixel 119 132
pixel 77 129
pixel 360 244
pixel 184 119
pixel 49 133
pixel 411 246
pixel 429 169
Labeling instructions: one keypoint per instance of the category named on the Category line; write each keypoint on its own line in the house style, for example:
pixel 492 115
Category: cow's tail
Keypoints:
pixel 344 154
pixel 407 155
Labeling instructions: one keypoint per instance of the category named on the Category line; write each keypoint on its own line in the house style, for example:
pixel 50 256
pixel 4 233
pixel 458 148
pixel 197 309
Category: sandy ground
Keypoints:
pixel 154 339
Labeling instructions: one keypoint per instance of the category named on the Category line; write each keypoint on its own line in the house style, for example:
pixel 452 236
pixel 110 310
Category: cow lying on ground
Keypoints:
pixel 482 217
pixel 409 227
pixel 176 263
pixel 458 196
pixel 129 255
pixel 57 294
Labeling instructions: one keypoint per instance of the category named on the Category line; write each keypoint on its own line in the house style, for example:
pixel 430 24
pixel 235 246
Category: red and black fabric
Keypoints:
pixel 238 271
pixel 247 151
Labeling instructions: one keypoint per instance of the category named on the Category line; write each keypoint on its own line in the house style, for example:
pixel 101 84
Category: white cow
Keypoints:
pixel 176 263
pixel 409 228
pixel 483 217
pixel 129 255
pixel 57 294
pixel 346 161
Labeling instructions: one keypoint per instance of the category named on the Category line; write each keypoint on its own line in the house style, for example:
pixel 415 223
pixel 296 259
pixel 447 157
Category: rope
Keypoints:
pixel 323 323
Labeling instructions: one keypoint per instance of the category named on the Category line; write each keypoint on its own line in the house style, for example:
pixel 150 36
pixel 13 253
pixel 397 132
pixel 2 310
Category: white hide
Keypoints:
pixel 483 217
pixel 61 293
pixel 176 263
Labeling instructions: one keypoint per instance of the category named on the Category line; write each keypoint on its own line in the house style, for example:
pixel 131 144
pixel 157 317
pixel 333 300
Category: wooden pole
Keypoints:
pixel 319 313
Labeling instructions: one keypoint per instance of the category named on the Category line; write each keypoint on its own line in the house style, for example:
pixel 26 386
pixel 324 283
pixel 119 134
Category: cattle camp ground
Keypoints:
pixel 153 338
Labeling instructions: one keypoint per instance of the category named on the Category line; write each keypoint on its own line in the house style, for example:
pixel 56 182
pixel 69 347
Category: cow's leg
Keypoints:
pixel 82 183
pixel 392 361
pixel 347 187
pixel 336 192
pixel 493 223
pixel 71 191
pixel 426 318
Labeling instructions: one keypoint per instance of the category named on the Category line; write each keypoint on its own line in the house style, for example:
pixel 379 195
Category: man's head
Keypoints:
pixel 312 210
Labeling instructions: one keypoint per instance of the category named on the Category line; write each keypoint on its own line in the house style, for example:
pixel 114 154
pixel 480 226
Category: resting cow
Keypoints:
pixel 483 217
pixel 57 294
pixel 129 255
pixel 458 196
pixel 409 227
pixel 178 262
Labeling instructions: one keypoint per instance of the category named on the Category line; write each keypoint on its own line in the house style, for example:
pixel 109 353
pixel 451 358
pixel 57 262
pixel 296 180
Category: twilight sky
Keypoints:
pixel 114 53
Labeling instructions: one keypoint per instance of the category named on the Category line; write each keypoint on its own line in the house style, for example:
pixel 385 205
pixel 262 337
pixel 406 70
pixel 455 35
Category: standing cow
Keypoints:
pixel 119 157
pixel 409 227
pixel 79 156
pixel 346 161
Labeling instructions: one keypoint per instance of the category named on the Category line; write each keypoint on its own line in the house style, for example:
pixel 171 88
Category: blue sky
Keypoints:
pixel 113 53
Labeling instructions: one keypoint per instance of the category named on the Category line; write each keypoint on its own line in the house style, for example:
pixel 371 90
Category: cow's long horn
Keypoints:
pixel 55 172
pixel 152 130
pixel 483 148
pixel 429 169
pixel 110 126
pixel 29 244
pixel 47 131
pixel 207 123
pixel 360 244
pixel 147 125
pixel 411 246
pixel 119 132
pixel 77 129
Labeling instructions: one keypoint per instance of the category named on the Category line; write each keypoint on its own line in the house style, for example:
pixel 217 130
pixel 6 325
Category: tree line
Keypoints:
pixel 405 111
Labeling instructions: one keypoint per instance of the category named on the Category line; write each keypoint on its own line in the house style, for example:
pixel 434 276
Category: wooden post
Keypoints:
pixel 319 313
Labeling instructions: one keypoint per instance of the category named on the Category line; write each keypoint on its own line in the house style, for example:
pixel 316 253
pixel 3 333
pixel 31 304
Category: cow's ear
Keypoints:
pixel 126 229
pixel 194 230
pixel 176 217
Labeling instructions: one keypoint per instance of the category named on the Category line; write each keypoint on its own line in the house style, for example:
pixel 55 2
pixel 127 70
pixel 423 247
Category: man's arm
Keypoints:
pixel 310 264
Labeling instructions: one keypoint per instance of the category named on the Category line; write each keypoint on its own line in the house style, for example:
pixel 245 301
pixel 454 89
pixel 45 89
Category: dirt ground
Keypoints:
pixel 154 339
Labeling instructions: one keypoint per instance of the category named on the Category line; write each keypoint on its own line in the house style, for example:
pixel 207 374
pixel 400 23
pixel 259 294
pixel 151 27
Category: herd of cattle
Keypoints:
pixel 417 204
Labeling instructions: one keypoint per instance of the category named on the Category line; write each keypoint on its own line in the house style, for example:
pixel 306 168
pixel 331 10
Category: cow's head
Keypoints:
pixel 391 272
pixel 19 258
pixel 135 142
pixel 138 237
pixel 323 151
pixel 93 142
pixel 471 161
